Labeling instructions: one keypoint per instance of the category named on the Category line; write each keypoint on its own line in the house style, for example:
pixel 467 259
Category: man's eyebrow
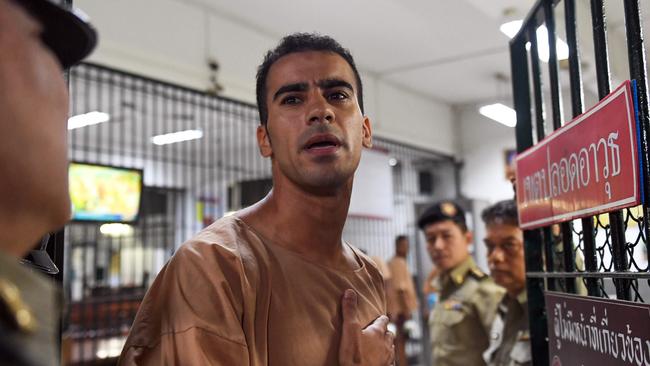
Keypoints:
pixel 334 83
pixel 295 87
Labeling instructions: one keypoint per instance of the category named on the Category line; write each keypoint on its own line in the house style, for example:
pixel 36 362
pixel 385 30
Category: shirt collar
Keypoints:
pixel 458 274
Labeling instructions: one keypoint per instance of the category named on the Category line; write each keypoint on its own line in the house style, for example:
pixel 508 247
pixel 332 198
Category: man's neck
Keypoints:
pixel 513 293
pixel 305 223
pixel 19 233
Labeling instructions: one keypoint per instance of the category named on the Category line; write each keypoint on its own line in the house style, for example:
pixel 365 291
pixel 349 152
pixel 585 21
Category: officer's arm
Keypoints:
pixel 486 302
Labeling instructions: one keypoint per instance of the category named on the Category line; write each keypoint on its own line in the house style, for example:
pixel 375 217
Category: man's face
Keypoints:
pixel 33 117
pixel 315 129
pixel 447 244
pixel 402 248
pixel 505 246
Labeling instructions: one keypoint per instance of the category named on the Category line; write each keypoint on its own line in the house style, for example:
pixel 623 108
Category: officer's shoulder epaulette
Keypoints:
pixel 13 309
pixel 477 273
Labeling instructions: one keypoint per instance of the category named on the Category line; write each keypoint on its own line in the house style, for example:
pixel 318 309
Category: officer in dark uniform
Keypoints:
pixel 461 320
pixel 38 40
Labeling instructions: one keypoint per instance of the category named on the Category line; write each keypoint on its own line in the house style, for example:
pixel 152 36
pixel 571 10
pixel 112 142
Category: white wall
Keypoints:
pixel 483 143
pixel 172 40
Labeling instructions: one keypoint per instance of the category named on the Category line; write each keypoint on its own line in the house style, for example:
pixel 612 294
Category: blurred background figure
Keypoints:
pixel 430 292
pixel 510 341
pixel 38 39
pixel 461 319
pixel 400 296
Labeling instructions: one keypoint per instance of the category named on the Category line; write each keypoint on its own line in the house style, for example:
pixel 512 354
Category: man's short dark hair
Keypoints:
pixel 399 238
pixel 502 212
pixel 300 42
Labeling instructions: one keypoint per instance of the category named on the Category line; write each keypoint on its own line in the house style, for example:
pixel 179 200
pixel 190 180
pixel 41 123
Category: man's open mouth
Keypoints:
pixel 322 141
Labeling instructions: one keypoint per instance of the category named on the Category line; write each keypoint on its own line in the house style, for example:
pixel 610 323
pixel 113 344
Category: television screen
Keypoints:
pixel 104 193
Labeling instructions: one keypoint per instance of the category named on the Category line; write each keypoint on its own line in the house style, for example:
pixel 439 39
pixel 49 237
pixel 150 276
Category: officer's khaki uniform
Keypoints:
pixel 29 307
pixel 510 342
pixel 460 322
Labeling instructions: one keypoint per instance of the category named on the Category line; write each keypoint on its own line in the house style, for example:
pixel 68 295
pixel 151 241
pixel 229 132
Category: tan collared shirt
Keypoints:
pixel 401 297
pixel 461 320
pixel 510 341
pixel 230 297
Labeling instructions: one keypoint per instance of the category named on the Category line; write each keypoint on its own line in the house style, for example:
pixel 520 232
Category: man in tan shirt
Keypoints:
pixel 461 319
pixel 266 286
pixel 401 297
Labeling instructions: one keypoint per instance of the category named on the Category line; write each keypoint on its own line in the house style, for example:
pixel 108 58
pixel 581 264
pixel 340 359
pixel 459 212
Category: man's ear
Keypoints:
pixel 470 237
pixel 367 132
pixel 264 141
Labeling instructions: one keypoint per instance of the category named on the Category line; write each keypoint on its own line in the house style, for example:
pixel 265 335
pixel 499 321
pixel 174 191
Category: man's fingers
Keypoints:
pixel 390 337
pixel 380 325
pixel 350 337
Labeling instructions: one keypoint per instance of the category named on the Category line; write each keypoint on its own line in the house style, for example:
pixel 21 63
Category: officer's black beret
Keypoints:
pixel 442 211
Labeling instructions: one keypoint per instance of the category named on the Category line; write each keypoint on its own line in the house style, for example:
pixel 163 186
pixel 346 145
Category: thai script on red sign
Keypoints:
pixel 588 166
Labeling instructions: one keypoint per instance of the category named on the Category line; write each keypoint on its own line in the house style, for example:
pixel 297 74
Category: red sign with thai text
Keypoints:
pixel 587 167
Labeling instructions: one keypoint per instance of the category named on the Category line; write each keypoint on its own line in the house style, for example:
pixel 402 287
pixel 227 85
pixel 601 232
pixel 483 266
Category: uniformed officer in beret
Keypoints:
pixel 510 342
pixel 38 39
pixel 461 320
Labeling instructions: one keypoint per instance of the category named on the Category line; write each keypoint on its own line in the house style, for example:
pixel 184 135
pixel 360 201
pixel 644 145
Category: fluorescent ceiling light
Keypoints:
pixel 542 46
pixel 510 29
pixel 174 137
pixel 87 119
pixel 500 113
pixel 116 230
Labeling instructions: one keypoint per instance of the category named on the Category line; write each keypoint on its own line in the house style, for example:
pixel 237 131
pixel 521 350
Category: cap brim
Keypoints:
pixel 66 32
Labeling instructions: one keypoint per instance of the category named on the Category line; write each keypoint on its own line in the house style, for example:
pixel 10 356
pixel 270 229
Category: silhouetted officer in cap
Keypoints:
pixel 38 39
pixel 460 321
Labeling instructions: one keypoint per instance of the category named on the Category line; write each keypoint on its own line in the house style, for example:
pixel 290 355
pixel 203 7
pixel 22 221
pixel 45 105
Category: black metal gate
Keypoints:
pixel 609 244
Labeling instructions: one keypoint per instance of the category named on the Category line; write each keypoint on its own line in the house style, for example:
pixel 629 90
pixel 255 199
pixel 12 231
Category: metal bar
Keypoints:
pixel 625 275
pixel 575 71
pixel 637 63
pixel 541 132
pixel 537 84
pixel 549 262
pixel 566 229
pixel 577 102
pixel 617 225
pixel 556 106
pixel 532 238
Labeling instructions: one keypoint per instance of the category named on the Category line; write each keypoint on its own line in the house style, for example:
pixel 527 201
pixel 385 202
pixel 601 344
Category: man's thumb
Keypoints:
pixel 349 306
pixel 350 342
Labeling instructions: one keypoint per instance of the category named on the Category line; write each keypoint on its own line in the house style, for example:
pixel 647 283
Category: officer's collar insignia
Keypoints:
pixel 452 304
pixel 477 272
pixel 448 209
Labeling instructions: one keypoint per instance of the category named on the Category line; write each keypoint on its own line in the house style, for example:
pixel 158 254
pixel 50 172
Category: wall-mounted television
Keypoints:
pixel 103 193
